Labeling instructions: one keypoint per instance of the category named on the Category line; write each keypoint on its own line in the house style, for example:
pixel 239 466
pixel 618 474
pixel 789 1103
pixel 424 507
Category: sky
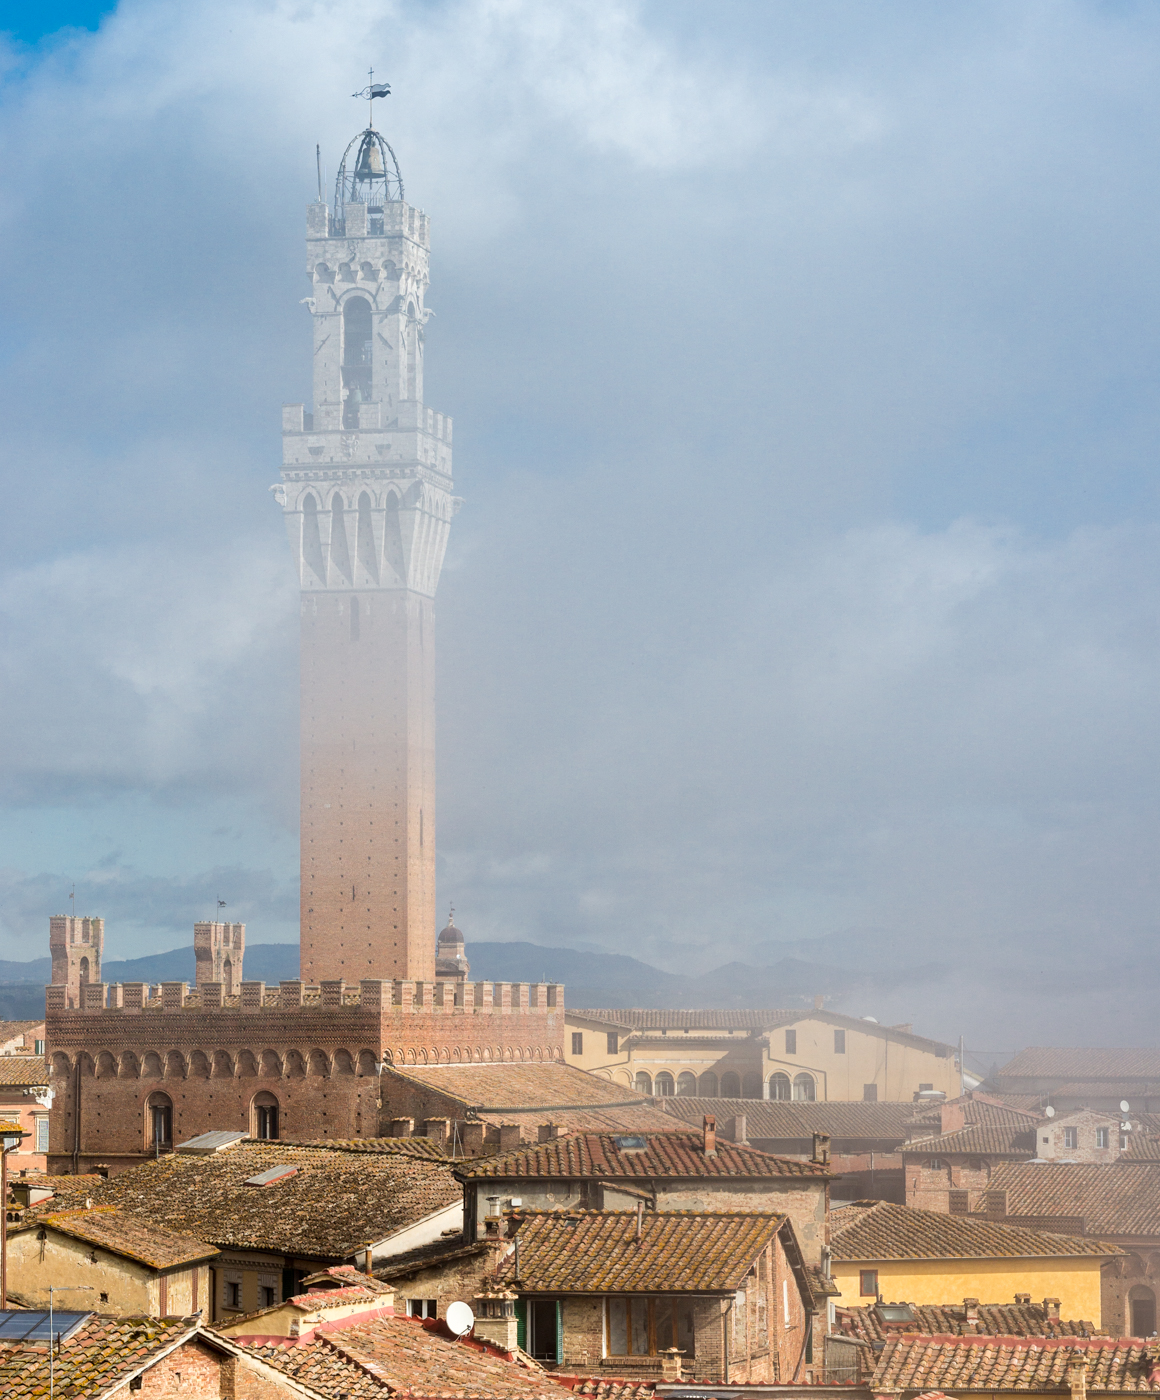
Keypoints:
pixel 803 365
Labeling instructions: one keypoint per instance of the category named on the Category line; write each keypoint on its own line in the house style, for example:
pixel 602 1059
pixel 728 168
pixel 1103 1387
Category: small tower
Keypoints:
pixel 217 951
pixel 450 957
pixel 366 492
pixel 76 945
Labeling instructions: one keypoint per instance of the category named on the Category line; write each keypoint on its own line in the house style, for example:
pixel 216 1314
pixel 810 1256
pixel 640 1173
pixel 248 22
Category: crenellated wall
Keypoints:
pixel 313 1052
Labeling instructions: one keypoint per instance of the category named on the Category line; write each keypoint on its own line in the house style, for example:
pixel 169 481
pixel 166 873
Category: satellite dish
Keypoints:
pixel 1124 1105
pixel 460 1319
pixel 1049 1111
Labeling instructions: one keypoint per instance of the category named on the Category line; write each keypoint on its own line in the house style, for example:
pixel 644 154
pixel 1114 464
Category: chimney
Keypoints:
pixel 471 1138
pixel 1077 1381
pixel 970 1309
pixel 709 1127
pixel 495 1319
pixel 819 1002
pixel 509 1136
pixel 402 1127
pixel 671 1364
pixel 1153 1354
pixel 995 1202
pixel 370 1262
pixel 1051 1309
pixel 821 1152
pixel 952 1117
pixel 547 1131
pixel 734 1130
pixel 1023 1300
pixel 436 1130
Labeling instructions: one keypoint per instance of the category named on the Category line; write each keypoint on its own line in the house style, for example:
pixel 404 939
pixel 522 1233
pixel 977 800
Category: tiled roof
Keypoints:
pixel 400 1356
pixel 335 1201
pixel 663 1156
pixel 598 1252
pixel 995 1319
pixel 1142 1147
pixel 998 1139
pixel 105 1351
pixel 775 1118
pixel 532 1094
pixel 25 1070
pixel 1069 1062
pixel 427 1255
pixel 980 1109
pixel 643 1019
pixel 1012 1364
pixel 126 1235
pixel 883 1230
pixel 10 1029
pixel 1103 1089
pixel 611 1390
pixel 1117 1198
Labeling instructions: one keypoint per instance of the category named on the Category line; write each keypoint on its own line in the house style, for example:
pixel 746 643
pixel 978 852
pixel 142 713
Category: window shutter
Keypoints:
pixel 559 1330
pixel 522 1323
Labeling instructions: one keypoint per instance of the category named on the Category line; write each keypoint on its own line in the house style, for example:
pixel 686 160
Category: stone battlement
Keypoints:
pixel 465 998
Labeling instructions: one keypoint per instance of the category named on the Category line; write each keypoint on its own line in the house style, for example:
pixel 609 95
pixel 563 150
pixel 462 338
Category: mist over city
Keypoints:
pixel 801 611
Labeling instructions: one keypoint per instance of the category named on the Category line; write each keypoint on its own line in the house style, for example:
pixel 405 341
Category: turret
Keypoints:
pixel 76 945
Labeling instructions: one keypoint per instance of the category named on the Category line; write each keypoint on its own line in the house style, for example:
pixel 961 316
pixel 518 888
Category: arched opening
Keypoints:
pixel 339 553
pixel 158 1123
pixel 412 338
pixel 779 1086
pixel 730 1085
pixel 368 557
pixel 1142 1305
pixel 393 537
pixel 643 1082
pixel 708 1085
pixel 354 619
pixel 687 1085
pixel 84 971
pixel 804 1090
pixel 356 358
pixel 751 1086
pixel 318 1063
pixel 663 1085
pixel 227 978
pixel 311 539
pixel 106 1066
pixel 264 1116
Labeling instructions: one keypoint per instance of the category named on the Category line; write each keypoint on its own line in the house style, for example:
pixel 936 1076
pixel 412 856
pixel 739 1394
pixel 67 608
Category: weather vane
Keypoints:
pixel 370 92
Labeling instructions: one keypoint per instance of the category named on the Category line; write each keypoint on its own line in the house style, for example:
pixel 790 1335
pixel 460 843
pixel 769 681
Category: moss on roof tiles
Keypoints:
pixel 871 1230
pixel 1012 1364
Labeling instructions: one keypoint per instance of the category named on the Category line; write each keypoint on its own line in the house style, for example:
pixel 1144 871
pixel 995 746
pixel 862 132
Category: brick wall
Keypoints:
pixel 192 1371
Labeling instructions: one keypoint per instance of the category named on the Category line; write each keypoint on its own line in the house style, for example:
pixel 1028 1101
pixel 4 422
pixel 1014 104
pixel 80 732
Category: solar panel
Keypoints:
pixel 207 1143
pixel 19 1325
pixel 270 1174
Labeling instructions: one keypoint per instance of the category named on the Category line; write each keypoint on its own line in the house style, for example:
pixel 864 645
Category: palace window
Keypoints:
pixel 730 1085
pixel 708 1085
pixel 577 1042
pixel 265 1116
pixel 804 1089
pixel 1071 1137
pixel 648 1326
pixel 159 1122
pixel 780 1087
pixel 687 1084
pixel 643 1082
pixel 1101 1137
pixel 664 1084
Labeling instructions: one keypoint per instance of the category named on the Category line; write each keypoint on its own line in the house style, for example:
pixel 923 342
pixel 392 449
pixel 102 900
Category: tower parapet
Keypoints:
pixel 76 944
pixel 218 950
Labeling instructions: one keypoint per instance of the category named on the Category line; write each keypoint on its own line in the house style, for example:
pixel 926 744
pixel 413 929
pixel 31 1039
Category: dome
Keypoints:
pixel 450 941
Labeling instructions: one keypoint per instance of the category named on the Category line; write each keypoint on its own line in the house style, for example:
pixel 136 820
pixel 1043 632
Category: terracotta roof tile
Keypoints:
pixel 774 1118
pixel 709 1021
pixel 612 1156
pixel 981 1109
pixel 129 1236
pixel 1117 1198
pixel 1012 1364
pixel 598 1252
pixel 883 1230
pixel 610 1390
pixel 995 1319
pixel 1070 1062
pixel 105 1351
pixel 995 1139
pixel 26 1070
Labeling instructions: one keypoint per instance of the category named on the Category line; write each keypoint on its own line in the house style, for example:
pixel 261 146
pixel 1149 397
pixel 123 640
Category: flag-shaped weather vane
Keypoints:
pixel 370 92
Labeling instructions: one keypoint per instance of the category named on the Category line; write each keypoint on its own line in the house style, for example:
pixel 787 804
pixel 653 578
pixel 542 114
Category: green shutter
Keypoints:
pixel 559 1330
pixel 522 1323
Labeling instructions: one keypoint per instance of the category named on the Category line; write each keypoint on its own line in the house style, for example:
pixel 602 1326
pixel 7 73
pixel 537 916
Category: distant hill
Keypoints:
pixel 591 979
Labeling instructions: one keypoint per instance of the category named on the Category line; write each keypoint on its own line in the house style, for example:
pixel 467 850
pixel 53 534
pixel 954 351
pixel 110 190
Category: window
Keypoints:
pixel 577 1042
pixel 1101 1137
pixel 779 1086
pixel 791 1042
pixel 1143 1306
pixel 544 1327
pixel 839 1042
pixel 158 1122
pixel 38 1047
pixel 647 1326
pixel 730 1085
pixel 664 1084
pixel 803 1089
pixel 233 1293
pixel 42 1135
pixel 926 1088
pixel 869 1093
pixel 265 1116
pixel 868 1283
pixel 356 358
pixel 936 1164
pixel 613 1043
pixel 1123 1141
pixel 422 1307
pixel 266 1297
pixel 643 1082
pixel 1071 1137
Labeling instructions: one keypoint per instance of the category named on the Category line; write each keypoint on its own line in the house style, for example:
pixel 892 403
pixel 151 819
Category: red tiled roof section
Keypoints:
pixel 882 1230
pixel 776 1118
pixel 994 1319
pixel 25 1070
pixel 1012 1364
pixel 142 1240
pixel 645 1019
pixel 1055 1062
pixel 663 1156
pixel 997 1139
pixel 400 1356
pixel 105 1350
pixel 980 1110
pixel 597 1251
pixel 1117 1198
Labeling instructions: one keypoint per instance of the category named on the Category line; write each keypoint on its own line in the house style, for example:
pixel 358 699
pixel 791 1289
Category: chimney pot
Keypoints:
pixel 971 1309
pixel 821 1152
pixel 1051 1310
pixel 709 1127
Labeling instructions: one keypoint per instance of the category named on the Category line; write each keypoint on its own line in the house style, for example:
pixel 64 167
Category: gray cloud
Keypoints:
pixel 803 370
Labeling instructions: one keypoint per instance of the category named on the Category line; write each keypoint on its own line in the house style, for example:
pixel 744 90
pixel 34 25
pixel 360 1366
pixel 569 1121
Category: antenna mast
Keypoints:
pixel 318 162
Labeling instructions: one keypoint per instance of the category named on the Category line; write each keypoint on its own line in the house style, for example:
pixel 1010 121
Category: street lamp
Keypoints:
pixel 11 1135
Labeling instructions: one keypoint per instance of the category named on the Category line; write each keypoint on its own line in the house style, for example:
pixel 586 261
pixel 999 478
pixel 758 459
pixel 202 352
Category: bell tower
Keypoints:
pixel 366 492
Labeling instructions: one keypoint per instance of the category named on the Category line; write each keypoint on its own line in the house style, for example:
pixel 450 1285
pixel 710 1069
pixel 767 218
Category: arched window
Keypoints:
pixel 664 1084
pixel 779 1086
pixel 356 358
pixel 311 537
pixel 751 1086
pixel 84 970
pixel 643 1082
pixel 1142 1302
pixel 709 1085
pixel 227 978
pixel 158 1123
pixel 803 1088
pixel 264 1116
pixel 730 1085
pixel 339 553
pixel 687 1085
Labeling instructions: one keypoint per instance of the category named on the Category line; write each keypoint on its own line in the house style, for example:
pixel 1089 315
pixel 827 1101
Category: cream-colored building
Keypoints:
pixel 793 1054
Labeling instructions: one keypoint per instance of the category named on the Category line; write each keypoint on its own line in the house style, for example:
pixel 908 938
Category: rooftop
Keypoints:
pixel 652 1156
pixel 1066 1062
pixel 882 1230
pixel 775 1118
pixel 994 1319
pixel 27 1071
pixel 1012 1363
pixel 104 1352
pixel 1117 1198
pixel 994 1139
pixel 598 1251
pixel 140 1240
pixel 712 1022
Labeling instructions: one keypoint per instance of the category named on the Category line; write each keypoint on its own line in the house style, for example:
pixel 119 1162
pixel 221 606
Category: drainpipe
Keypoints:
pixel 76 1153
